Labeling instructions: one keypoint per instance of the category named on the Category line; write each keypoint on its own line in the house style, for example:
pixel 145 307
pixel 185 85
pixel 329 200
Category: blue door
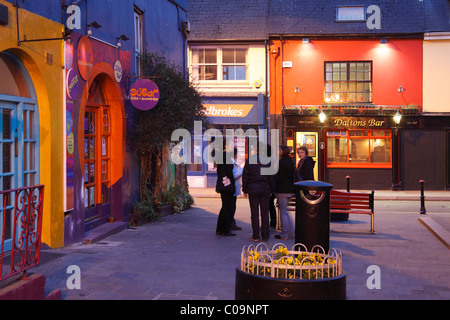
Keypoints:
pixel 19 165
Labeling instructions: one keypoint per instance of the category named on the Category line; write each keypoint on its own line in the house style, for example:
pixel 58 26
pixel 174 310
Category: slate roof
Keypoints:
pixel 255 19
pixel 228 19
pixel 318 17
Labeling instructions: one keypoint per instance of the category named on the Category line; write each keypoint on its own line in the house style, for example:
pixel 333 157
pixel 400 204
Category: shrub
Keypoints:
pixel 179 199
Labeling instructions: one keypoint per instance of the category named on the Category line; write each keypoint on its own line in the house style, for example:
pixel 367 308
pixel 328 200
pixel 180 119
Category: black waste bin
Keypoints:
pixel 312 214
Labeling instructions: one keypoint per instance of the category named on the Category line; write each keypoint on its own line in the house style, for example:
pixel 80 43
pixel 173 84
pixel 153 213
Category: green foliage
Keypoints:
pixel 179 198
pixel 146 207
pixel 180 104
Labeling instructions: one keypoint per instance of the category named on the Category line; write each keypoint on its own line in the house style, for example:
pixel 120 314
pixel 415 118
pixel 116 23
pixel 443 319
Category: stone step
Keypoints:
pixel 103 231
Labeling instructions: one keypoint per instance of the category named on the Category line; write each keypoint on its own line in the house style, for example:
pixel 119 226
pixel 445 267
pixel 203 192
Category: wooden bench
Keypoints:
pixel 344 202
pixel 353 203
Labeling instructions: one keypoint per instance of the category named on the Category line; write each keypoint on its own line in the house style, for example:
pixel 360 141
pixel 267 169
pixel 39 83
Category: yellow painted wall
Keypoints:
pixel 48 84
pixel 436 71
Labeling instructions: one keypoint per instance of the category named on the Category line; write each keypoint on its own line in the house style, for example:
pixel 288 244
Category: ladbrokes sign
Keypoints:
pixel 227 110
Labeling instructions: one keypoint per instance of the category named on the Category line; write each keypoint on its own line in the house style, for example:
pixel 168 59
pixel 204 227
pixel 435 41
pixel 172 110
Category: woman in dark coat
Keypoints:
pixel 259 188
pixel 305 167
pixel 225 185
pixel 285 190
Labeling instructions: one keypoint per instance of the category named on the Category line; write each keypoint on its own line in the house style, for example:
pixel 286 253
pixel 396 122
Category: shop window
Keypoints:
pixel 221 64
pixel 359 148
pixel 348 82
pixel 350 13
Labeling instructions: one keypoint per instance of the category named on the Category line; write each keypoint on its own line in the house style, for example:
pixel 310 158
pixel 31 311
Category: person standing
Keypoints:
pixel 305 166
pixel 258 188
pixel 285 190
pixel 237 174
pixel 225 185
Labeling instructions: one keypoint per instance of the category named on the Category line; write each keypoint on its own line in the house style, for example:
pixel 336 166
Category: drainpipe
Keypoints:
pixel 282 89
pixel 267 103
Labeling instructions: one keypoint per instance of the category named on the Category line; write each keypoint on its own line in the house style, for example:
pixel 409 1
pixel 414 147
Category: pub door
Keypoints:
pixel 310 140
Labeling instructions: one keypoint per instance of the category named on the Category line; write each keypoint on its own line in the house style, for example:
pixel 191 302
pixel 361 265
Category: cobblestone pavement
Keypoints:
pixel 181 257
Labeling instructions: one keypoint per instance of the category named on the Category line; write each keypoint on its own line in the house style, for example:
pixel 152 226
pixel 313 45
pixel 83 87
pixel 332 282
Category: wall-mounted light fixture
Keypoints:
pixel 305 40
pixel 383 41
pixel 322 117
pixel 123 37
pixel 93 24
pixel 296 90
pixel 397 117
pixel 401 89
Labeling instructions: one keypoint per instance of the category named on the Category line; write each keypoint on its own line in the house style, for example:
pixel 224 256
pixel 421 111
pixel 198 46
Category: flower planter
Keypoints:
pixel 255 287
pixel 280 274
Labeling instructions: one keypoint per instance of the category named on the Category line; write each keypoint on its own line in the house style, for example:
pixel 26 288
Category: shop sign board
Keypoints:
pixel 228 110
pixel 144 94
pixel 85 58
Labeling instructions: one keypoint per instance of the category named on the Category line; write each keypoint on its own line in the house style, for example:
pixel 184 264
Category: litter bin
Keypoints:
pixel 312 214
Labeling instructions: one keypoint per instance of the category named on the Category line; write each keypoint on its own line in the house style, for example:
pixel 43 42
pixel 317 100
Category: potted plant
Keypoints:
pixel 111 219
pixel 179 198
pixel 144 210
pixel 296 274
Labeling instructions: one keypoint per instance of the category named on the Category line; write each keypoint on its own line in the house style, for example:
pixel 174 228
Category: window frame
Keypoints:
pixel 370 136
pixel 220 65
pixel 348 81
pixel 363 7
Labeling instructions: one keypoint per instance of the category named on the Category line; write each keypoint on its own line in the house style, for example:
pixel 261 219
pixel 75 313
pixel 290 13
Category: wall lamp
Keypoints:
pixel 397 117
pixel 305 40
pixel 383 41
pixel 94 25
pixel 322 117
pixel 123 37
pixel 401 89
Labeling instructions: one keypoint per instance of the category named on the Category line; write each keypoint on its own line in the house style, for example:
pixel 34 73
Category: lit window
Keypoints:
pixel 347 14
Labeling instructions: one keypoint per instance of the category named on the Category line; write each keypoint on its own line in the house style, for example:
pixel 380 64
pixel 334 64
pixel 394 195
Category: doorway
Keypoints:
pixel 308 139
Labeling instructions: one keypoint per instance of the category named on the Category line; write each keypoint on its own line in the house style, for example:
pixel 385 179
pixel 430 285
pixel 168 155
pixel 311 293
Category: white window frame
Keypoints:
pixel 220 65
pixel 341 16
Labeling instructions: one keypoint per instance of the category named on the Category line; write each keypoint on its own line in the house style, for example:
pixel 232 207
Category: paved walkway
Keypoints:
pixel 181 257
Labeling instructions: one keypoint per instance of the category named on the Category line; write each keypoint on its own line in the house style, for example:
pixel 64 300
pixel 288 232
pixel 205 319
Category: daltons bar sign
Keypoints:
pixel 361 123
pixel 227 110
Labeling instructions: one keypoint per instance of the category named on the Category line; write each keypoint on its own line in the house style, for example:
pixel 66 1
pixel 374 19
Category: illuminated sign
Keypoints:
pixel 144 94
pixel 85 58
pixel 227 110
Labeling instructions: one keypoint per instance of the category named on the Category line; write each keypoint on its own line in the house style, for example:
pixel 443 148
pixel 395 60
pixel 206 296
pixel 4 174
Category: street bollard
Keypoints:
pixel 422 198
pixel 348 183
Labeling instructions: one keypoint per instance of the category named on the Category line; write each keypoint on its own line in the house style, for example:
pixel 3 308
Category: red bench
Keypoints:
pixel 353 203
pixel 345 202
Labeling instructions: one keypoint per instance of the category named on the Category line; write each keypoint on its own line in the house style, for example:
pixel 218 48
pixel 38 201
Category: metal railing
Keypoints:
pixel 20 229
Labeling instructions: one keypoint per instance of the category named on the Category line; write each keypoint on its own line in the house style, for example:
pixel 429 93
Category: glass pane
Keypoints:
pixel 91 173
pixel 32 125
pixel 86 197
pixel 7 157
pixel 92 196
pixel 7 124
pixel 241 55
pixel 228 56
pixel 337 150
pixel 25 124
pixel 241 73
pixel 32 156
pixel 86 173
pixel 228 73
pixel 329 67
pixel 32 178
pixel 86 148
pixel 7 183
pixel 105 170
pixel 359 150
pixel 380 150
pixel 210 73
pixel 91 148
pixel 91 123
pixel 210 56
pixel 86 123
pixel 106 121
pixel 25 156
pixel 105 152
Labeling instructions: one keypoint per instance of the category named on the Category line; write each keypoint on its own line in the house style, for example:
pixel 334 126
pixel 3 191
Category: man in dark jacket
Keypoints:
pixel 225 185
pixel 259 188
